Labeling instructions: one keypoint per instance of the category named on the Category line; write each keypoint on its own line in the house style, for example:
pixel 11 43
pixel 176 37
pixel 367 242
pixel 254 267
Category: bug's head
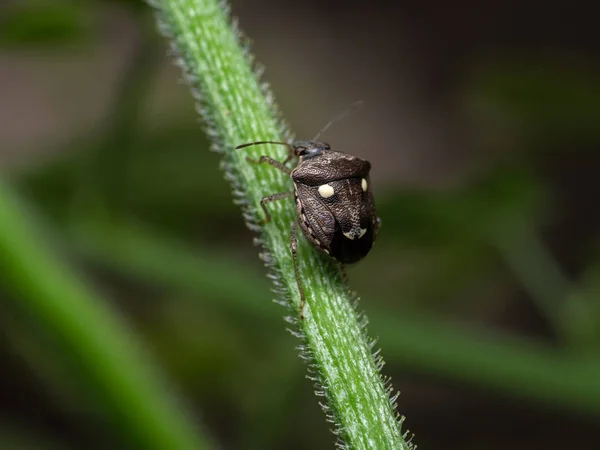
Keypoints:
pixel 309 149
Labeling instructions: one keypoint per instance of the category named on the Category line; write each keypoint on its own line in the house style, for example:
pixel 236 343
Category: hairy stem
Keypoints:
pixel 237 109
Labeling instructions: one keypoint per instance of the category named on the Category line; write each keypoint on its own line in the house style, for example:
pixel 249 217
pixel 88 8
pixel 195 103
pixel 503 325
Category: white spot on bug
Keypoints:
pixel 355 233
pixel 326 191
pixel 364 185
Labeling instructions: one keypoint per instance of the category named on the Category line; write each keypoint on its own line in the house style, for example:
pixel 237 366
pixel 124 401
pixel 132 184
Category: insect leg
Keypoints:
pixel 344 274
pixel 272 198
pixel 377 225
pixel 291 155
pixel 271 161
pixel 294 249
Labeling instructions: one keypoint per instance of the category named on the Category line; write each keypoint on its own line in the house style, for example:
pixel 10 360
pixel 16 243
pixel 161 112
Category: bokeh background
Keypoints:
pixel 482 123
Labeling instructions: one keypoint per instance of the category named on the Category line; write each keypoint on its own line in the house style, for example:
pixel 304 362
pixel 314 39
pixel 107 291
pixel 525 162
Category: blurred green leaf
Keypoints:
pixel 581 311
pixel 95 337
pixel 47 22
pixel 424 343
pixel 498 214
pixel 476 211
pixel 174 153
pixel 524 105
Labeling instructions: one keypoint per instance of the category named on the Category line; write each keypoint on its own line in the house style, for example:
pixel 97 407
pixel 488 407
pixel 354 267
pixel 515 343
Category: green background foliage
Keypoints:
pixel 483 290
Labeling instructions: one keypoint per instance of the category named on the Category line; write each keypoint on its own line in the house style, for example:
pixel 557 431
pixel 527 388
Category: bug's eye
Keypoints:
pixel 327 146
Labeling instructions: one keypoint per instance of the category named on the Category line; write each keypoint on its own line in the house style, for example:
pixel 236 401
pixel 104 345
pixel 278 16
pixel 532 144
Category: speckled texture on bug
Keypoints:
pixel 335 205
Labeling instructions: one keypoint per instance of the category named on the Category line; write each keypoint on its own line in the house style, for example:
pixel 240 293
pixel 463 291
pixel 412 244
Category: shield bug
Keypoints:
pixel 334 201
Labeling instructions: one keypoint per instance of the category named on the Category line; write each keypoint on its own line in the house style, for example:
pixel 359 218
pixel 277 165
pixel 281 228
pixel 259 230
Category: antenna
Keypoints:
pixel 349 110
pixel 263 142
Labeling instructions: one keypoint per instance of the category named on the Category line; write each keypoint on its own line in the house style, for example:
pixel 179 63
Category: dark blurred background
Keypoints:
pixel 482 125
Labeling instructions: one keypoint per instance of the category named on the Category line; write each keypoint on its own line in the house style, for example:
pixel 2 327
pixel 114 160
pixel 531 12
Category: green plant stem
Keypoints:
pixel 92 335
pixel 238 110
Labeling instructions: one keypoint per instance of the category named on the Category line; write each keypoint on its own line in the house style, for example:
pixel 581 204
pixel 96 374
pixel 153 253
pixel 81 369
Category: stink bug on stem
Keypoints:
pixel 334 201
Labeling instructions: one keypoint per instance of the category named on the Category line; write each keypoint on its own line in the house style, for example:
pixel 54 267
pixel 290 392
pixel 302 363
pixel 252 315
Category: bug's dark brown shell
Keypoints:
pixel 330 166
pixel 344 224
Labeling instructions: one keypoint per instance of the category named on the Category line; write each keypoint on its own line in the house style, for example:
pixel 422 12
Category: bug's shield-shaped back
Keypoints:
pixel 335 205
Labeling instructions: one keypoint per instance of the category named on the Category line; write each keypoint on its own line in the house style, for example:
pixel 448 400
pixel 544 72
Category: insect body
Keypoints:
pixel 334 201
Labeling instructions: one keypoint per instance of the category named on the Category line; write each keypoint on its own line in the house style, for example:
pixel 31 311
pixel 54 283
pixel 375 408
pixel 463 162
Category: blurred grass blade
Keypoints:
pixel 532 264
pixel 93 336
pixel 518 366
